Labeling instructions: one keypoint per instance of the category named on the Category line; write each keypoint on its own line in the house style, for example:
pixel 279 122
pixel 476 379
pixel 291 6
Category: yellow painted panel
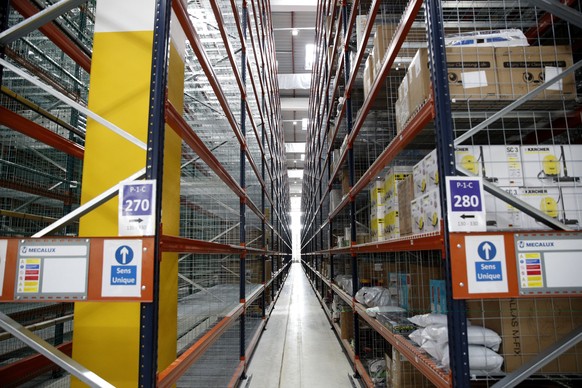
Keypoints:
pixel 106 334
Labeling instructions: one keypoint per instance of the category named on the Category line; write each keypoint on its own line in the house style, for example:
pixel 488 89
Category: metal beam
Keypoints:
pixel 52 353
pixel 37 20
pixel 40 133
pixel 51 31
pixel 554 351
pixel 560 10
pixel 73 104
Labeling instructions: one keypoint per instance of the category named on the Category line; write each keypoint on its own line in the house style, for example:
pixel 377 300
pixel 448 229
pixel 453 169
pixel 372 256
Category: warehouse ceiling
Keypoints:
pixel 294 29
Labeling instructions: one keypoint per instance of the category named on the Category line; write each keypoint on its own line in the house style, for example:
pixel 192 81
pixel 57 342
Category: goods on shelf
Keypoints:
pixel 417 216
pixel 499 164
pixel 493 38
pixel 396 322
pixel 382 39
pixel 528 326
pixel 375 297
pixel 346 324
pixel 431 208
pixel 391 222
pixel 377 371
pixel 403 374
pixel 483 343
pixel 361 22
pixel 335 197
pixel 377 193
pixel 394 175
pixel 377 214
pixel 402 107
pixel 405 196
pixel 549 165
pixel 522 69
pixel 368 74
pixel 374 311
pixel 425 174
pixel 438 296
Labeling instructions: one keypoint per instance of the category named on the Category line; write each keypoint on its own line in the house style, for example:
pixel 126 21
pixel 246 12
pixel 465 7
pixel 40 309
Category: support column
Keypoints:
pixel 107 334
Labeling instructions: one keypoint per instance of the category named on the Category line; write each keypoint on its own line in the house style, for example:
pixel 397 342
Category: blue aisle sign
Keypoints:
pixel 465 204
pixel 137 208
pixel 486 264
pixel 122 262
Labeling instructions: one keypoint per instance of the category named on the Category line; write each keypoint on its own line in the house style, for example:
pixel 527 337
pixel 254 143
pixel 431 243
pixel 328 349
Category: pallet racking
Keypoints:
pixel 233 247
pixel 356 136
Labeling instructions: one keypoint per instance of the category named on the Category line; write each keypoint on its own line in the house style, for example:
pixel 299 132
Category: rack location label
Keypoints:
pixel 137 208
pixel 465 206
pixel 486 264
pixel 122 267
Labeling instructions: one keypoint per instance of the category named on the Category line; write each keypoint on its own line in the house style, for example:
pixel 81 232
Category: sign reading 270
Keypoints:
pixel 137 199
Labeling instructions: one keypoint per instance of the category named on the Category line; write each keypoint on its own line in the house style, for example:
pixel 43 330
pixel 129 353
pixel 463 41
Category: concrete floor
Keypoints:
pixel 298 347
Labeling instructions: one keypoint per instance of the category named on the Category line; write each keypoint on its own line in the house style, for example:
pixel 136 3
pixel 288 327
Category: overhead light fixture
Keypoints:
pixel 294 122
pixel 304 124
pixel 295 32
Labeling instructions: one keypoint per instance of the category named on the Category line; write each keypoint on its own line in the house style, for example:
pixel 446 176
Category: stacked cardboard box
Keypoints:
pixel 529 326
pixel 405 196
pixel 368 75
pixel 522 69
pixel 382 39
pixel 489 73
pixel 425 207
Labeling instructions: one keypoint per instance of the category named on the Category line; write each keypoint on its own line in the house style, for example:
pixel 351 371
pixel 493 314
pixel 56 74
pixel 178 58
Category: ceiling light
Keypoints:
pixel 295 32
pixel 294 122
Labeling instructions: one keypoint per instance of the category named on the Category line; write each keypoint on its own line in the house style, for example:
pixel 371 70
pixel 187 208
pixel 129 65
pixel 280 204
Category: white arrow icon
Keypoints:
pixel 487 249
pixel 124 252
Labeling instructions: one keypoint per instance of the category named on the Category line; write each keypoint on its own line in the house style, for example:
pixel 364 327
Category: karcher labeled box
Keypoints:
pixel 498 164
pixel 551 165
pixel 377 195
pixel 418 217
pixel 546 199
pixel 431 207
pixel 377 215
pixel 419 179
pixel 392 223
pixel 500 215
pixel 431 170
pixel 522 69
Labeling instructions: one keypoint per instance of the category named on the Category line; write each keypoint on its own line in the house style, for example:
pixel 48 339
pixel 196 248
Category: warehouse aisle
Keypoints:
pixel 298 348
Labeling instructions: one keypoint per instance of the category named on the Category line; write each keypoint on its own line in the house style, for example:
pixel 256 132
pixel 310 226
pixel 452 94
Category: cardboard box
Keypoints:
pixel 368 75
pixel 471 73
pixel 394 175
pixel 418 80
pixel 418 217
pixel 550 165
pixel 431 170
pixel 438 296
pixel 382 39
pixel 529 326
pixel 377 214
pixel 431 207
pixel 335 197
pixel 498 164
pixel 346 325
pixel 377 191
pixel 391 224
pixel 500 215
pixel 419 179
pixel 400 373
pixel 419 291
pixel 522 69
pixel 405 195
pixel 560 203
pixel 401 112
pixel 361 21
